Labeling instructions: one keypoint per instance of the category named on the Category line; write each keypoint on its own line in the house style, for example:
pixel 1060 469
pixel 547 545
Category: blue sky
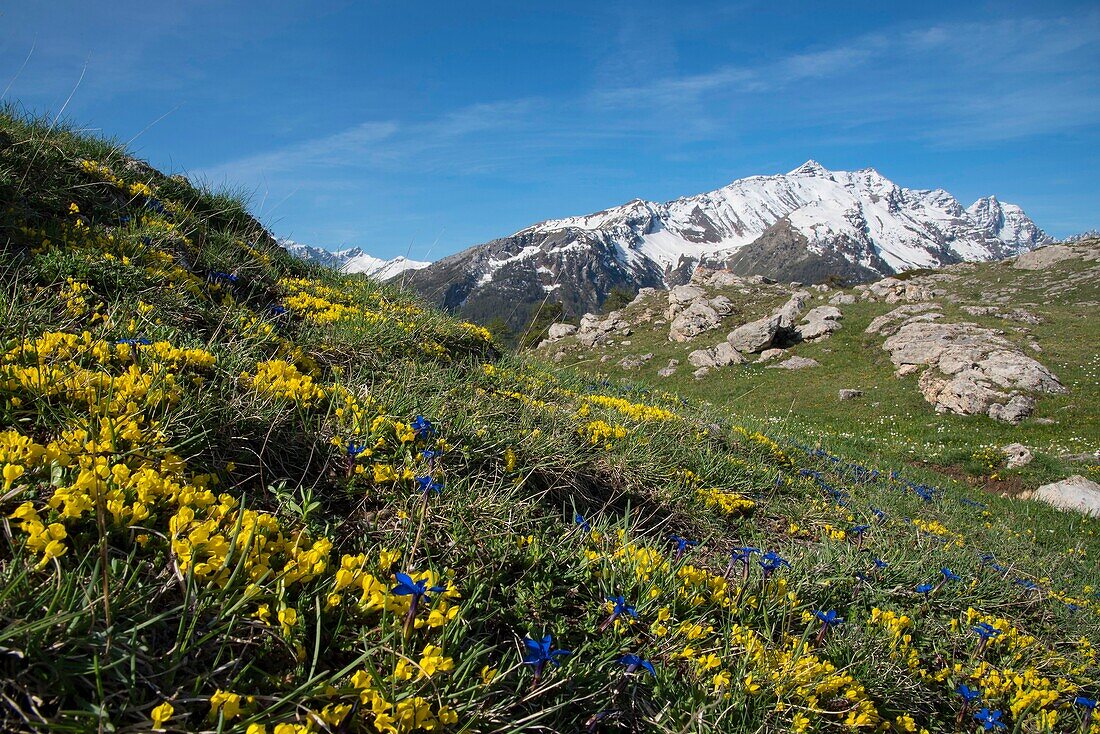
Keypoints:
pixel 428 127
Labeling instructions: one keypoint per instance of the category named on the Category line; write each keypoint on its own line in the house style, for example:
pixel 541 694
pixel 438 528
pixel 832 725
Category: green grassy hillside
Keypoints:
pixel 242 494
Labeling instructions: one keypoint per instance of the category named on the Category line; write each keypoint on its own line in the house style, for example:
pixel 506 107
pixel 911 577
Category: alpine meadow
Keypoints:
pixel 325 408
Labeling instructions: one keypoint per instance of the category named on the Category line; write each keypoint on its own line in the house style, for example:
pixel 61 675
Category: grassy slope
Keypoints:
pixel 202 531
pixel 803 404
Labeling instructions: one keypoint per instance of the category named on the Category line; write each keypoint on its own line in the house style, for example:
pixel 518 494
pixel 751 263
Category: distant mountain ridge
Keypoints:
pixel 810 225
pixel 353 260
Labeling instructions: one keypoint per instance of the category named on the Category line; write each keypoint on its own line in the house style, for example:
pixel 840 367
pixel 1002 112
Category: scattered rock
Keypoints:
pixel 795 363
pixel 697 318
pixel 819 323
pixel 560 331
pixel 888 323
pixel 1075 493
pixel 790 311
pixel 1017 455
pixel 849 394
pixel 721 355
pixel 769 354
pixel 1045 257
pixel 756 335
pixel 701 358
pixel 633 363
pixel 842 299
pixel 701 373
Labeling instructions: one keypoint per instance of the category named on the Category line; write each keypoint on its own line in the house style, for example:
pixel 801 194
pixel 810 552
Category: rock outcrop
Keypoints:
pixel 755 336
pixel 594 330
pixel 1046 257
pixel 722 355
pixel 1075 493
pixel 967 369
pixel 794 363
pixel 819 323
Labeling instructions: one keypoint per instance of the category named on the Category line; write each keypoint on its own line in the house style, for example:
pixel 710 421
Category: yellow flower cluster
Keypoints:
pixel 935 527
pixel 729 503
pixel 212 542
pixel 600 432
pixel 410 714
pixel 102 172
pixel 634 411
pixel 41 538
pixel 760 439
pixel 76 296
pixel 278 378
pixel 50 365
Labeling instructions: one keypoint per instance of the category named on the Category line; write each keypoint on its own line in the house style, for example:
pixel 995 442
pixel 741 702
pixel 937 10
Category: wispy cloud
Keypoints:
pixel 962 84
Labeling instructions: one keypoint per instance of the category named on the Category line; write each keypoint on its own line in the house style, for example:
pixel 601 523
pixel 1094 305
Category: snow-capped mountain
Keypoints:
pixel 810 225
pixel 354 260
pixel 1092 234
pixel 1007 222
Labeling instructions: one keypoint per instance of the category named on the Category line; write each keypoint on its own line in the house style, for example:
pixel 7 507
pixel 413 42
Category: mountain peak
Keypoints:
pixel 809 168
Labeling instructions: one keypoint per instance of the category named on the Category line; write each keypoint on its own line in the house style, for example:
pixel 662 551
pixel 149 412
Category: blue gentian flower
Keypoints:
pixel 222 276
pixel 276 310
pixel 1085 703
pixel 829 617
pixel 682 544
pixel 879 563
pixel 579 520
pixel 772 561
pixel 354 449
pixel 416 589
pixel 990 719
pixel 621 607
pixel 969 694
pixel 986 631
pixel 539 653
pixel 139 342
pixel 633 662
pixel 428 485
pixel 423 428
pixel 859 529
pixel 1026 583
pixel 925 588
pixel 949 575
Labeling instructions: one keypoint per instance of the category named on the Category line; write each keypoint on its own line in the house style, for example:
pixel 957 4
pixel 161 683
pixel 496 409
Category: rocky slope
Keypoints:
pixel 810 225
pixel 927 330
pixel 353 260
